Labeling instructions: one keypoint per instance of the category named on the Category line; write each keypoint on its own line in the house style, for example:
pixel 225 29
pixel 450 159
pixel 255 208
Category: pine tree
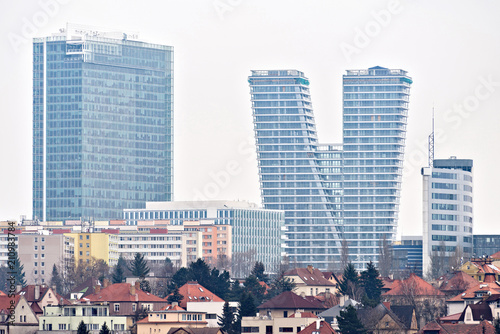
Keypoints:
pixel 181 277
pixel 56 280
pixel 349 322
pixel 145 286
pixel 497 325
pixel 349 284
pixel 104 329
pixel 118 275
pixel 82 329
pixel 226 322
pixel 372 285
pixel 175 297
pixel 18 269
pixel 253 287
pixel 247 306
pixel 200 272
pixel 139 266
pixel 280 285
pixel 258 271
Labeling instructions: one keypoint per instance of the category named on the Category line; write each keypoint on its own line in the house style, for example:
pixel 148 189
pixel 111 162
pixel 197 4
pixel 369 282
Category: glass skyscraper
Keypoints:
pixel 102 124
pixel 332 192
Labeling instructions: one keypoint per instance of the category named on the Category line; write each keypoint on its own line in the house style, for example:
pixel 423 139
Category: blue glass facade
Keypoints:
pixel 332 192
pixel 102 126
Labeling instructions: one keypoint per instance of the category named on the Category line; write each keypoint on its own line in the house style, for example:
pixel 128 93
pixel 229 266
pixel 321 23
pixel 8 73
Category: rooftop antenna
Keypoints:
pixel 431 142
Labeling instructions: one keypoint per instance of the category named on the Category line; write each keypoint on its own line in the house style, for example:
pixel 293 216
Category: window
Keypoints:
pixel 36 256
pixel 43 247
pixel 43 239
pixel 36 239
pixel 36 264
pixel 87 237
pixel 36 248
pixel 42 264
pixel 62 326
pixel 134 307
pixel 286 329
pixel 117 307
pixel 211 316
pixel 249 329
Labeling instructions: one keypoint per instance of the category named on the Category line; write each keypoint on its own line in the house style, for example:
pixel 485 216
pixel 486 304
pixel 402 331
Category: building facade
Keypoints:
pixel 102 124
pixel 332 192
pixel 255 232
pixel 407 257
pixel 486 244
pixel 40 252
pixel 447 211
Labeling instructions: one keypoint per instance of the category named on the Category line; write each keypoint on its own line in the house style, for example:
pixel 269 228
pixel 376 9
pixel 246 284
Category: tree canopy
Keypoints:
pixel 258 271
pixel 139 266
pixel 372 285
pixel 349 322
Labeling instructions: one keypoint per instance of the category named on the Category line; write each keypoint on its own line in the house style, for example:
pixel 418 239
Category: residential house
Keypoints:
pixel 68 317
pixel 198 299
pixel 481 291
pixel 287 303
pixel 333 312
pixel 475 313
pixel 189 330
pixel 420 294
pixel 125 299
pixel 318 327
pixel 311 281
pixel 493 301
pixel 16 316
pixel 39 296
pixel 269 324
pixel 484 327
pixel 170 317
pixel 456 284
pixel 479 267
pixel 385 318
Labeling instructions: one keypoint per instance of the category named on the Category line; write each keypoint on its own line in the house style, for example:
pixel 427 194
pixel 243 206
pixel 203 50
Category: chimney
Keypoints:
pixel 132 290
pixel 310 269
pixel 387 305
pixel 97 289
pixel 174 304
pixel 318 322
pixel 105 283
pixel 18 288
pixel 37 292
pixel 137 285
pixel 303 294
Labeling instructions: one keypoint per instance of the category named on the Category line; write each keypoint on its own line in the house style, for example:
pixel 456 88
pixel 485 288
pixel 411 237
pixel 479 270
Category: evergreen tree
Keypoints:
pixel 497 325
pixel 119 272
pixel 82 329
pixel 18 269
pixel 200 272
pixel 246 306
pixel 175 297
pixel 258 271
pixel 144 285
pixel 349 322
pixel 349 284
pixel 139 266
pixel 372 285
pixel 181 277
pixel 226 322
pixel 280 285
pixel 219 283
pixel 104 329
pixel 253 287
pixel 235 291
pixel 56 280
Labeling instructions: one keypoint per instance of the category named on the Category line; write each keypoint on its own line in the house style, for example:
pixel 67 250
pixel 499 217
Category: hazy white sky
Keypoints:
pixel 450 49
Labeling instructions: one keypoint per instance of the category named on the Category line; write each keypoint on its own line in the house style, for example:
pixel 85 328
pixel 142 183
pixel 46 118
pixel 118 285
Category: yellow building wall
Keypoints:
pixel 88 245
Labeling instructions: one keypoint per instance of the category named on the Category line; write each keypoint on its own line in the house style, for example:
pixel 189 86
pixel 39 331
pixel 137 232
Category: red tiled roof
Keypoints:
pixel 460 281
pixel 194 292
pixel 496 256
pixel 417 284
pixel 310 276
pixel 485 268
pixel 5 301
pixel 172 308
pixel 452 317
pixel 324 328
pixel 2 293
pixel 290 300
pixel 36 308
pixel 304 315
pixel 482 328
pixel 472 292
pixel 120 292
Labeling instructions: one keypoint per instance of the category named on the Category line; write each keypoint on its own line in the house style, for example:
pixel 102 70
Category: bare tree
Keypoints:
pixel 439 262
pixel 344 255
pixel 242 263
pixel 385 257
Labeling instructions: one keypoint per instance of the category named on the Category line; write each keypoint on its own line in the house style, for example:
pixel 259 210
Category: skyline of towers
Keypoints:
pixel 332 192
pixel 102 124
